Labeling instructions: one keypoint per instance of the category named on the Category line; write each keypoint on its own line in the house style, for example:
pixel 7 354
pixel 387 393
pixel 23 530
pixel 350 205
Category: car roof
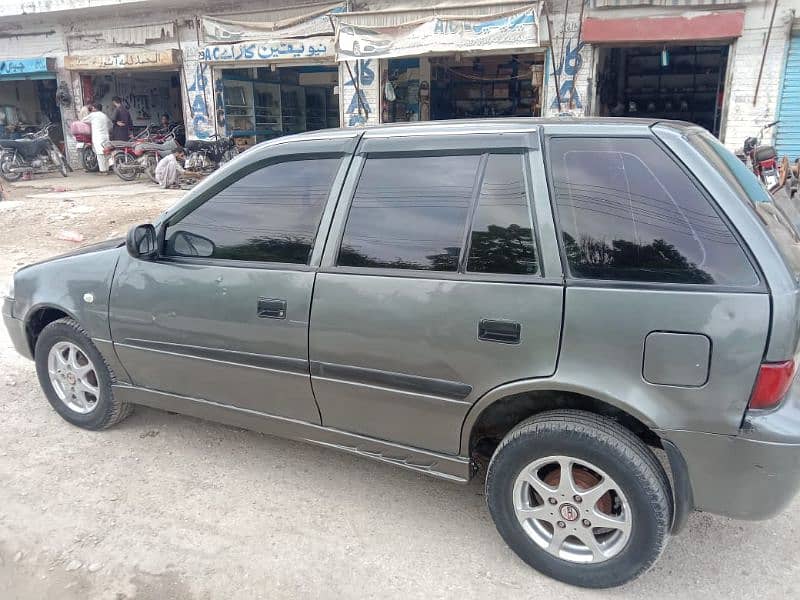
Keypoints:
pixel 483 126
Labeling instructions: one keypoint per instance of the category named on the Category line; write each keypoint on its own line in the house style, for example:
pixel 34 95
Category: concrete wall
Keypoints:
pixel 744 117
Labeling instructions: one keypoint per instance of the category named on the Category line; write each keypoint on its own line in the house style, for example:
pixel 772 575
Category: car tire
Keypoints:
pixel 600 454
pixel 67 383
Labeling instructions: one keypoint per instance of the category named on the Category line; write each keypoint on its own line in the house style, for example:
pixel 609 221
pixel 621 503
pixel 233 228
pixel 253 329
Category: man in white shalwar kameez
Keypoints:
pixel 101 126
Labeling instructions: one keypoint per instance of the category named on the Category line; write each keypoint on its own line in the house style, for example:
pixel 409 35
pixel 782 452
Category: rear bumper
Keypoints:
pixel 16 329
pixel 753 475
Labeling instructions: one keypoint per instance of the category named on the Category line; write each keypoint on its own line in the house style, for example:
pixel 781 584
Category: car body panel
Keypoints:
pixel 194 330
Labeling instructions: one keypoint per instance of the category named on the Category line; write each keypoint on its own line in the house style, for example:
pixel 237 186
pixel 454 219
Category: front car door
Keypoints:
pixel 222 314
pixel 440 281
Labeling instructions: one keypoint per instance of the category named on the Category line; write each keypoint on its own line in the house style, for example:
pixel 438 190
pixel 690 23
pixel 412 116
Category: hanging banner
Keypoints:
pixel 517 29
pixel 272 50
pixel 316 22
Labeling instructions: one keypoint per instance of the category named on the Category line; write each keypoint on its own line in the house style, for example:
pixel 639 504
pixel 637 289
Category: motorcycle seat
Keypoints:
pixel 28 149
pixel 765 152
pixel 118 144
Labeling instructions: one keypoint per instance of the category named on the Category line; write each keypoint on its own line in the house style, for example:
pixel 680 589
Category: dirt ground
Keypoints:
pixel 169 507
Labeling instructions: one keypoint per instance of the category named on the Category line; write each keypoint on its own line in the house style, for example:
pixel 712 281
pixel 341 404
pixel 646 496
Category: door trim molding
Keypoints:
pixel 450 467
pixel 284 364
pixel 428 386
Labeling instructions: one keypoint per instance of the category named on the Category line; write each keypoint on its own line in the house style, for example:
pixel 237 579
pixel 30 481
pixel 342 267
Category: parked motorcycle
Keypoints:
pixel 131 159
pixel 761 158
pixel 82 132
pixel 205 156
pixel 35 153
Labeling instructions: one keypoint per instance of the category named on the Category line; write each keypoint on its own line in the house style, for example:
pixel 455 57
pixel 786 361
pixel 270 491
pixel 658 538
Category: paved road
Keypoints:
pixel 169 507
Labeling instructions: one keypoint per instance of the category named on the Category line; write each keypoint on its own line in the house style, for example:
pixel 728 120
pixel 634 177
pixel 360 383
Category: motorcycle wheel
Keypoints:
pixel 60 162
pixel 150 167
pixel 89 160
pixel 125 166
pixel 7 162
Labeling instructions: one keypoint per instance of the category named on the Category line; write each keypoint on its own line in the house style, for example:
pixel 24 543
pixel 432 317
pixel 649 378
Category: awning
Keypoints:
pixel 438 34
pixel 138 60
pixel 701 27
pixel 27 68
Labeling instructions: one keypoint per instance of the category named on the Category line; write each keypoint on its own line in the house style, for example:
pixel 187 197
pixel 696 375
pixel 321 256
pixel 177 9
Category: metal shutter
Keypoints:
pixel 787 139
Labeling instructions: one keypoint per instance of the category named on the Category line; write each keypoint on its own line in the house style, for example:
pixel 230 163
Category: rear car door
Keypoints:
pixel 440 281
pixel 222 314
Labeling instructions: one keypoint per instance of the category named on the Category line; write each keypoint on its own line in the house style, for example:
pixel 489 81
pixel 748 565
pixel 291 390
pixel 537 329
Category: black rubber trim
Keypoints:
pixel 452 390
pixel 681 487
pixel 264 361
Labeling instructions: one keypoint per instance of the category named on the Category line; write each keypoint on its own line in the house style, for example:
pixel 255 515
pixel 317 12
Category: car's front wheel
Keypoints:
pixel 580 498
pixel 75 377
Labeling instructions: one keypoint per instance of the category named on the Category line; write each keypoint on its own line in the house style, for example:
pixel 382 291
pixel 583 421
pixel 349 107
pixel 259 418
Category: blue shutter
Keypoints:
pixel 787 139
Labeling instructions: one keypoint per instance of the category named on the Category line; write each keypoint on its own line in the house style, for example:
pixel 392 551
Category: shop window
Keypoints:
pixel 507 85
pixel 401 92
pixel 270 215
pixel 502 237
pixel 410 213
pixel 628 212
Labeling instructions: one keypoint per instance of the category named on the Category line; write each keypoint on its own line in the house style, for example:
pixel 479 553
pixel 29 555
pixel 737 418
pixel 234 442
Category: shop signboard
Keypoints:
pixel 142 59
pixel 272 51
pixel 15 68
pixel 440 34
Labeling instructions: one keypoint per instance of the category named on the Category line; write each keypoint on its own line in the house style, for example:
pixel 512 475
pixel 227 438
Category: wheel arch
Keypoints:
pixel 39 317
pixel 505 406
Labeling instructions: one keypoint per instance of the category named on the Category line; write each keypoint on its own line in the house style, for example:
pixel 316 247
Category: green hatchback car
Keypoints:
pixel 600 315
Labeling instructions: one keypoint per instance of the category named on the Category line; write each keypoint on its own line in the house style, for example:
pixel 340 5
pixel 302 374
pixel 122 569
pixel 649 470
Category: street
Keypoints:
pixel 170 507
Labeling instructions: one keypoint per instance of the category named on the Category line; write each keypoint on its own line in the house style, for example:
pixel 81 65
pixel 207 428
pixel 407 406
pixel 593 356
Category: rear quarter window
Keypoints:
pixel 628 212
pixel 777 220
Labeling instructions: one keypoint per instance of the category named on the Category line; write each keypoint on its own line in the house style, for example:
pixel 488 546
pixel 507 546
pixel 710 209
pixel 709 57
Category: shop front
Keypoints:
pixel 665 67
pixel 442 67
pixel 275 79
pixel 148 81
pixel 28 97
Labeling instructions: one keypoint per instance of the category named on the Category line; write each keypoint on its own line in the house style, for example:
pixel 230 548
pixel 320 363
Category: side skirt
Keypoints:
pixel 453 468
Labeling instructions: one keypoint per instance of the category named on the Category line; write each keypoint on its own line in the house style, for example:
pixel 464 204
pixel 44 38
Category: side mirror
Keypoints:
pixel 142 242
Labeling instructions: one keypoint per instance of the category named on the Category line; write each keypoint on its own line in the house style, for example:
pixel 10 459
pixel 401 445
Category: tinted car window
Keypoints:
pixel 410 213
pixel 778 223
pixel 502 237
pixel 271 214
pixel 628 212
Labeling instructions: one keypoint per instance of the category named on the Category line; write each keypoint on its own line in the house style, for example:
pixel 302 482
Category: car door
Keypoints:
pixel 435 286
pixel 222 314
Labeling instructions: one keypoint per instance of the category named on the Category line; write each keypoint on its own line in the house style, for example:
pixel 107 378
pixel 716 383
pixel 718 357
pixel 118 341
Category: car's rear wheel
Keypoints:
pixel 75 377
pixel 580 498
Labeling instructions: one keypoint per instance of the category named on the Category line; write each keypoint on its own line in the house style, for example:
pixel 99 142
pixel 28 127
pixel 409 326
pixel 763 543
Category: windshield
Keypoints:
pixel 748 188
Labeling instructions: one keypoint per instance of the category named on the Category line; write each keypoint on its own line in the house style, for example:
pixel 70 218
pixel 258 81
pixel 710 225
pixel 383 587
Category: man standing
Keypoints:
pixel 100 125
pixel 122 121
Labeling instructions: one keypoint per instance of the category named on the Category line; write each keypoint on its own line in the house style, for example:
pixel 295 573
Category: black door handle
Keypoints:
pixel 504 332
pixel 271 308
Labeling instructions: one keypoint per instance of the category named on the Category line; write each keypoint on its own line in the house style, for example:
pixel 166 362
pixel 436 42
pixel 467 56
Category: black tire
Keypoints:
pixel 150 168
pixel 108 410
pixel 125 166
pixel 59 160
pixel 89 160
pixel 612 448
pixel 8 161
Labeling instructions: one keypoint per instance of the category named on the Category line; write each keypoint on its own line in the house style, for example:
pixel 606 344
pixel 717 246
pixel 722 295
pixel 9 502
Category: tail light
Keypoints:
pixel 772 384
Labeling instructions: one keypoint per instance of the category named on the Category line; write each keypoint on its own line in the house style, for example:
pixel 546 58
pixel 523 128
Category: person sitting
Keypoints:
pixel 169 170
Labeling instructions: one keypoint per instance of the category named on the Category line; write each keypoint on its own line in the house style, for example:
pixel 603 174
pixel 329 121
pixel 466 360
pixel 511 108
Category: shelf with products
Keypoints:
pixel 293 108
pixel 316 108
pixel 267 98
